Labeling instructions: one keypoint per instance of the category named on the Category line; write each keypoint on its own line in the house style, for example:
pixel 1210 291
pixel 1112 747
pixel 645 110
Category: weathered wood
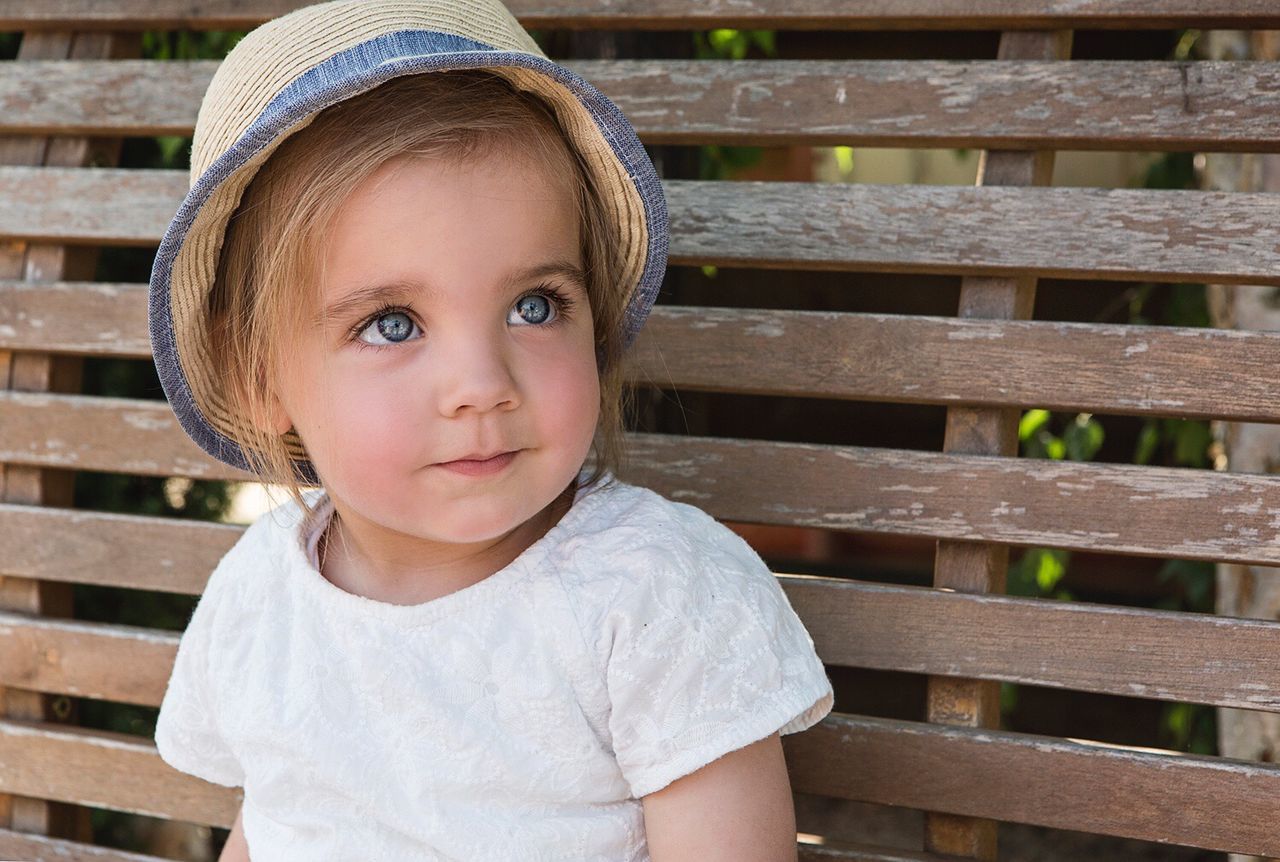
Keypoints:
pixel 1142 370
pixel 38 848
pixel 1125 234
pixel 1216 803
pixel 83 318
pixel 105 769
pixel 1184 513
pixel 968 566
pixel 1082 105
pixel 1126 369
pixel 1240 590
pixel 1181 657
pixel 103 661
pixel 683 15
pixel 110 434
pixel 1213 802
pixel 43 372
pixel 1084 646
pixel 113 550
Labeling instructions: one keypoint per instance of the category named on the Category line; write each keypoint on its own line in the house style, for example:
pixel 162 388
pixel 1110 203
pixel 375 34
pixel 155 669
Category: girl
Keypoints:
pixel 412 256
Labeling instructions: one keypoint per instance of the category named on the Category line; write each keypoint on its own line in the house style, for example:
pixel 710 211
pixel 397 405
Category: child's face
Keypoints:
pixel 474 363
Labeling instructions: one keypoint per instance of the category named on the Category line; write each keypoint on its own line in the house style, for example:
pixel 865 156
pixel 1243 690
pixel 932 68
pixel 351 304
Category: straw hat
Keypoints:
pixel 275 80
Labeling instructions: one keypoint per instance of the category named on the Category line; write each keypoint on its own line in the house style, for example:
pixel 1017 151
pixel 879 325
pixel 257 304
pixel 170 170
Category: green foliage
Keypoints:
pixel 733 44
pixel 189 44
pixel 716 162
pixel 1078 441
pixel 1181 442
pixel 1192 583
pixel 1190 727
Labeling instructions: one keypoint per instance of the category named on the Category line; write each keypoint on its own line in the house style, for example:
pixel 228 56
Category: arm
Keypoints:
pixel 235 850
pixel 737 807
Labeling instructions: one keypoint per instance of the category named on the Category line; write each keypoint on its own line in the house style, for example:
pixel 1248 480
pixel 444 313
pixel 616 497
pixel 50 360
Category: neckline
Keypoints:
pixel 335 598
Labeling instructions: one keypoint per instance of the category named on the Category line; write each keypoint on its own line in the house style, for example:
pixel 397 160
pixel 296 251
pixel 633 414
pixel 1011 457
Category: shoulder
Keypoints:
pixel 262 548
pixel 696 645
pixel 654 556
pixel 629 524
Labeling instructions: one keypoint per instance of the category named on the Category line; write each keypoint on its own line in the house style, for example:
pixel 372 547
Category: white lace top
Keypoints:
pixel 519 718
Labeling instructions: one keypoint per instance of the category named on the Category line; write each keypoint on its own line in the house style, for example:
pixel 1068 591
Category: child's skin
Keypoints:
pixel 462 371
pixel 471 373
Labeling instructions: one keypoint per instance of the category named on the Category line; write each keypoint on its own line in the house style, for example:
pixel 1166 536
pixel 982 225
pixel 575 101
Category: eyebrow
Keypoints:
pixel 402 290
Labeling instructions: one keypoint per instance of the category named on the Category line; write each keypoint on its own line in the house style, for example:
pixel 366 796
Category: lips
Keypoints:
pixel 477 467
pixel 478 457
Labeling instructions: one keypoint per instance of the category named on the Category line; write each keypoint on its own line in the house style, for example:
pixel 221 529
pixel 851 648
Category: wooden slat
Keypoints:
pixel 1110 508
pixel 1166 797
pixel 109 434
pixel 1166 655
pixel 1136 652
pixel 1216 803
pixel 39 848
pixel 43 372
pixel 1081 105
pixel 92 318
pixel 681 14
pixel 105 769
pixel 1139 370
pixel 112 550
pixel 1115 368
pixel 103 661
pixel 1125 234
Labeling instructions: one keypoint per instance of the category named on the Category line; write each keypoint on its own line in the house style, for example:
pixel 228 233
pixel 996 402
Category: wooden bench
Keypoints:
pixel 75 93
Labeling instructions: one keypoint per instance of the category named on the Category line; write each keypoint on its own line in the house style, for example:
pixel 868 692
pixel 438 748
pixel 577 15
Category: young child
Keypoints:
pixel 413 254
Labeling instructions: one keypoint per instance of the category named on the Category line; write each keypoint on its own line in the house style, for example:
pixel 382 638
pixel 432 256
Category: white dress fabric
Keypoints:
pixel 519 718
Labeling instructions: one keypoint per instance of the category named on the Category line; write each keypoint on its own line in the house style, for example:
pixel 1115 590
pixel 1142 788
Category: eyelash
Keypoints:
pixel 562 301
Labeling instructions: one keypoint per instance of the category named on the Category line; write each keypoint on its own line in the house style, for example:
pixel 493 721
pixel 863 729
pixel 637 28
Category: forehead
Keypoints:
pixel 430 227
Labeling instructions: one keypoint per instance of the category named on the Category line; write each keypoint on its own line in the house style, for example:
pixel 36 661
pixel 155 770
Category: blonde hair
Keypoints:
pixel 271 245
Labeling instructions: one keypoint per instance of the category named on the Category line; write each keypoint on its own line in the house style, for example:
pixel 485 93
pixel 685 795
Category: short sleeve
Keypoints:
pixel 705 655
pixel 187 734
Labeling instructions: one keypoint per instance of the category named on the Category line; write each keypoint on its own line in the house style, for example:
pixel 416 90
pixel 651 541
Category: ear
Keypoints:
pixel 275 419
pixel 278 417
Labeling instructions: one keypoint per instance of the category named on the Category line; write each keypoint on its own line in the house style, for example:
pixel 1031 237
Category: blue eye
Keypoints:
pixel 534 308
pixel 393 325
pixel 543 307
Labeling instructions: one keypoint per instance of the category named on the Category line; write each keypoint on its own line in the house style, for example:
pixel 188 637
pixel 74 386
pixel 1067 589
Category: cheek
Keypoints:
pixel 365 421
pixel 566 394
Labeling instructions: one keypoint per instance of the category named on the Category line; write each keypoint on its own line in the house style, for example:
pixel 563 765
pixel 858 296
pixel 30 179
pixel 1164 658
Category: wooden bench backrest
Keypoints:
pixel 74 93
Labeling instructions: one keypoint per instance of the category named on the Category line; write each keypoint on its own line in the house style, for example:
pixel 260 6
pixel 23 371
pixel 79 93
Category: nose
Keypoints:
pixel 478 375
